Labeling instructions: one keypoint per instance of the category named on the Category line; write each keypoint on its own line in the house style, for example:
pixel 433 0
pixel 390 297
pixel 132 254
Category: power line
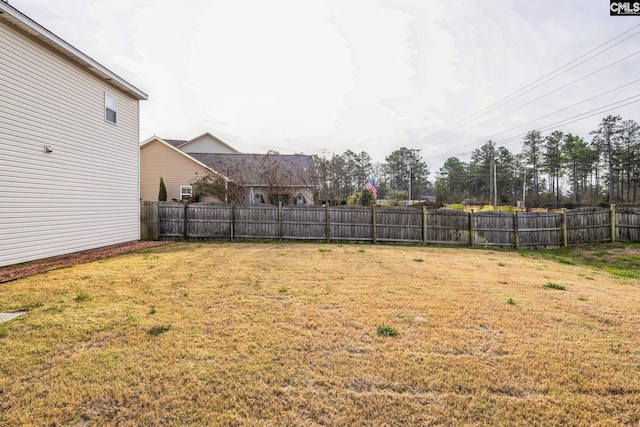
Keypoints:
pixel 500 101
pixel 577 118
pixel 566 108
pixel 569 120
pixel 566 85
pixel 563 86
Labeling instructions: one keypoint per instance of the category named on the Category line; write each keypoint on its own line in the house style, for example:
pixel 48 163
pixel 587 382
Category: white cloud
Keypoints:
pixel 369 75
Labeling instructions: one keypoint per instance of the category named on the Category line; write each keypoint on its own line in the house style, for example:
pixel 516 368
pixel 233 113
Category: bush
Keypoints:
pixel 157 330
pixel 387 331
pixel 162 193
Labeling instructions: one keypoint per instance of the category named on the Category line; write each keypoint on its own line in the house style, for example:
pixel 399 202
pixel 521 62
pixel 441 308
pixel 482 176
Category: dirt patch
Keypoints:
pixel 17 271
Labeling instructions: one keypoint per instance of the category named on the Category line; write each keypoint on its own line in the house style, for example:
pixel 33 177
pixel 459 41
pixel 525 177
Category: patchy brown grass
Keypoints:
pixel 285 334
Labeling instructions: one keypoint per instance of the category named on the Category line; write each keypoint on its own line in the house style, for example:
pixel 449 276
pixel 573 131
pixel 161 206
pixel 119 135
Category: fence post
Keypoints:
pixel 280 220
pixel 516 239
pixel 327 225
pixel 424 225
pixel 612 222
pixel 186 221
pixel 374 219
pixel 233 219
pixel 471 227
pixel 565 235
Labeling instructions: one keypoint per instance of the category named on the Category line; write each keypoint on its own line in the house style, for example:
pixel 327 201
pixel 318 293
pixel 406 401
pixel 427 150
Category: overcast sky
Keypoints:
pixel 316 76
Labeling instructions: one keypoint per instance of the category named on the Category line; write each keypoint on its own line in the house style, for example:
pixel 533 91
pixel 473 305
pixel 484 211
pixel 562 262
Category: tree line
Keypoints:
pixel 402 176
pixel 551 170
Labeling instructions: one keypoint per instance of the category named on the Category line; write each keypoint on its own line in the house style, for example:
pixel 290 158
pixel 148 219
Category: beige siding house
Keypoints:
pixel 178 170
pixel 207 143
pixel 248 178
pixel 69 132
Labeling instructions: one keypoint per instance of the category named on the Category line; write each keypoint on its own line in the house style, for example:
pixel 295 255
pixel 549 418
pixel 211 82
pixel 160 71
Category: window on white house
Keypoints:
pixel 110 108
pixel 185 192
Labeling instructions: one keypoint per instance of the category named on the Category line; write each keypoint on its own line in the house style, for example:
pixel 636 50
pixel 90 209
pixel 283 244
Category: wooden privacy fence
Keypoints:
pixel 537 230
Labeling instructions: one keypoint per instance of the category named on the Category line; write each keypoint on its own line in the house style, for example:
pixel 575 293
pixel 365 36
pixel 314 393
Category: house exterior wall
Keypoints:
pixel 261 194
pixel 207 144
pixel 82 195
pixel 159 160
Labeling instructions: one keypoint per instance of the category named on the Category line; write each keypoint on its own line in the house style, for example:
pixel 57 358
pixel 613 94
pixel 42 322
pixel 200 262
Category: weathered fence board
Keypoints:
pixel 305 222
pixel 148 221
pixel 256 222
pixel 209 221
pixel 537 230
pixel 399 225
pixel 627 224
pixel 588 225
pixel 493 229
pixel 351 223
pixel 447 226
pixel 171 220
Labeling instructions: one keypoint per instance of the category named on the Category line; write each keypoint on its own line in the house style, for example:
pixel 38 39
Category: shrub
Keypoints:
pixel 157 330
pixel 387 331
pixel 82 296
pixel 554 286
pixel 162 193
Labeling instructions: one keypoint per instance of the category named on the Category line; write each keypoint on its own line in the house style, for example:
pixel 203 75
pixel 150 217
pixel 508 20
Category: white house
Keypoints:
pixel 69 132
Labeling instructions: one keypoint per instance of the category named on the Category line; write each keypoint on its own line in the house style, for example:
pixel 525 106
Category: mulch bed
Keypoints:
pixel 13 272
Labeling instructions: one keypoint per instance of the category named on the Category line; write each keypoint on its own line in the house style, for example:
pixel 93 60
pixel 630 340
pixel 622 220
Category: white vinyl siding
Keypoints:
pixel 82 195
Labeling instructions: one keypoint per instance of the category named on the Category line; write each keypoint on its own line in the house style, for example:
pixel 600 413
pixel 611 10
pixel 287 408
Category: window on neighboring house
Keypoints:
pixel 185 192
pixel 110 108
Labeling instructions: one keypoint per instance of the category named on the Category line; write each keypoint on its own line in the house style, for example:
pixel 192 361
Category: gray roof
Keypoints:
pixel 175 142
pixel 262 169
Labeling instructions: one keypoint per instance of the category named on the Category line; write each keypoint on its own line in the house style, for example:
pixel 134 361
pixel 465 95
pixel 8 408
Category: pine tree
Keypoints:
pixel 162 194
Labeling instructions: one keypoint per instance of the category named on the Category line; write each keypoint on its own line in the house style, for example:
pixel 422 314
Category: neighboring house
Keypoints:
pixel 252 178
pixel 266 178
pixel 159 158
pixel 69 151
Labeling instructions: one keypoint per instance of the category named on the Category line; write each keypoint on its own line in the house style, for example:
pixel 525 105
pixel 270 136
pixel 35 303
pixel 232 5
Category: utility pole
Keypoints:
pixel 524 187
pixel 495 188
pixel 491 183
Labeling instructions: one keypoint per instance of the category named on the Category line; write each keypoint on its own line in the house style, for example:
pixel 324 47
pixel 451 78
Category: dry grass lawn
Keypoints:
pixel 285 334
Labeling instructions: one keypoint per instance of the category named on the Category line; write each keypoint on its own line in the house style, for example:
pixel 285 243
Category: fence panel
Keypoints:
pixel 351 223
pixel 166 220
pixel 149 221
pixel 170 220
pixel 540 230
pixel 399 225
pixel 588 225
pixel 304 222
pixel 256 222
pixel 493 229
pixel 209 221
pixel 447 226
pixel 627 224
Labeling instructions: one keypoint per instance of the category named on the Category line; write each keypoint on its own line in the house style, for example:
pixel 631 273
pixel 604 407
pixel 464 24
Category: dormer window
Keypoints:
pixel 110 108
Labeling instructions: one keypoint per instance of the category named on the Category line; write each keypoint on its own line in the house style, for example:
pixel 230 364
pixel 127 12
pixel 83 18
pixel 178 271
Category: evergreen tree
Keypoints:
pixel 162 193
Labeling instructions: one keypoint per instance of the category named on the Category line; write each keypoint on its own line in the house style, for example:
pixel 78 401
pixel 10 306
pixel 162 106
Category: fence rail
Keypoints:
pixel 536 230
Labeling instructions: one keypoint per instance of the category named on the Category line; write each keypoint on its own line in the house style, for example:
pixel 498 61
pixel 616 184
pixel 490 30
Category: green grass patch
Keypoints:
pixel 82 296
pixel 158 330
pixel 555 286
pixel 387 331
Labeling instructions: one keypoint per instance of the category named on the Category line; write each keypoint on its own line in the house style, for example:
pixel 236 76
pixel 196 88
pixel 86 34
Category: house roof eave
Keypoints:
pixel 20 20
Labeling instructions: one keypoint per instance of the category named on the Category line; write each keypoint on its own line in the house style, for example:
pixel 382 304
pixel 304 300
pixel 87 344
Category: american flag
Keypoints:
pixel 371 186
